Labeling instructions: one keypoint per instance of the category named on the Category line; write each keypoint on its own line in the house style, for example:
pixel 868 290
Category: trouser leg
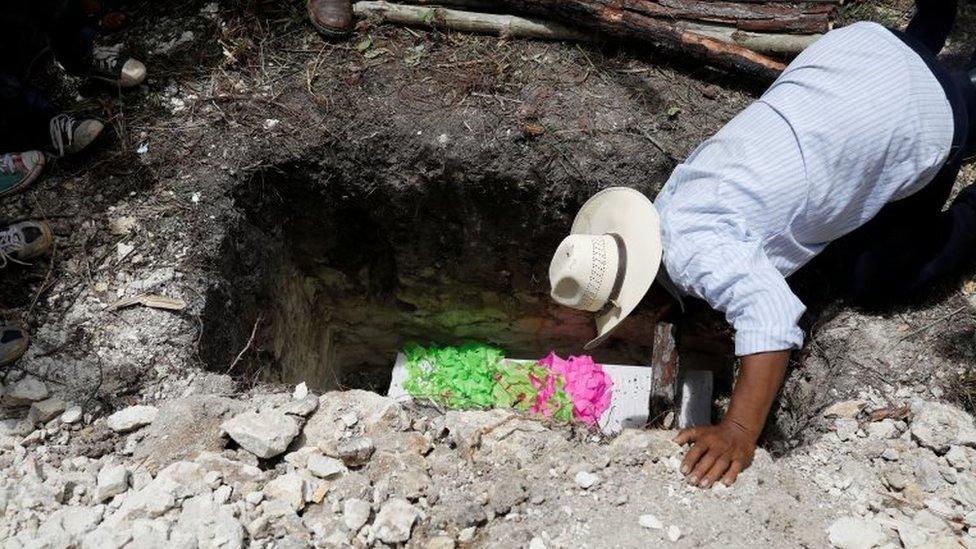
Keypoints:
pixel 933 22
pixel 24 116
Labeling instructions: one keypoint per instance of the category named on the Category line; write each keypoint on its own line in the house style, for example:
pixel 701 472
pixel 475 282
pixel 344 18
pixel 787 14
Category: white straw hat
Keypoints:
pixel 610 260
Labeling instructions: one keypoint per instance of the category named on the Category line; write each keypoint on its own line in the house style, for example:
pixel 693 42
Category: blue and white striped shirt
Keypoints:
pixel 856 121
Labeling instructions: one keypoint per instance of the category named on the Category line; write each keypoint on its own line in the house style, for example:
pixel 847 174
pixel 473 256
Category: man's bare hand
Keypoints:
pixel 718 452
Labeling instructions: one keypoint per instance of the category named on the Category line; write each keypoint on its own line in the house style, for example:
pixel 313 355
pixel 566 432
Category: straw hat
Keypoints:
pixel 610 259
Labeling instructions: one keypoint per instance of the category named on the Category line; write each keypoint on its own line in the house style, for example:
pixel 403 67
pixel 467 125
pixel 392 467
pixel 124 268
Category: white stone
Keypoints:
pixel 71 415
pixel 966 491
pixel 254 498
pixel 537 543
pixel 133 417
pixel 24 391
pixel 853 533
pixel 939 426
pixel 301 391
pixel 355 513
pixel 265 434
pixel 674 533
pixel 883 429
pixel 349 419
pixel 846 428
pixel 467 535
pixel 586 480
pixel 395 520
pixel 112 480
pixel 650 522
pixel 288 488
pixel 958 457
pixel 324 466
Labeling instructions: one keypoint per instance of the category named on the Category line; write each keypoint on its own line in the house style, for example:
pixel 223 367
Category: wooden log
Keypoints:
pixel 664 372
pixel 538 29
pixel 607 17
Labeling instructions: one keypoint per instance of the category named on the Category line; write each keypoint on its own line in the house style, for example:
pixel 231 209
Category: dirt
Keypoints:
pixel 317 204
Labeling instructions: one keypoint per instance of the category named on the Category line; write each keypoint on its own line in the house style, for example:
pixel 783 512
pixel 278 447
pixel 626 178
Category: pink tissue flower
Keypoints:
pixel 545 390
pixel 586 383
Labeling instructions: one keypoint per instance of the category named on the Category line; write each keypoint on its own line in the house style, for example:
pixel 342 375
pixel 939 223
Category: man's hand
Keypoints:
pixel 725 450
pixel 719 452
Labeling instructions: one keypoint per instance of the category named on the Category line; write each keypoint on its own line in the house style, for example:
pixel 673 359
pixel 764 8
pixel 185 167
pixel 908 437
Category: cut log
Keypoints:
pixel 609 18
pixel 615 23
pixel 480 20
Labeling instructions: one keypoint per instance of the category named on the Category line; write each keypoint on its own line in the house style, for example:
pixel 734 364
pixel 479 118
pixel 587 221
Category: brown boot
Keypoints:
pixel 332 18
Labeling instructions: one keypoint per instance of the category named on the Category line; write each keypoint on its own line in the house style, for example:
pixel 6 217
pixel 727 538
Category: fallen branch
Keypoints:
pixel 250 342
pixel 537 29
pixel 483 23
pixel 619 20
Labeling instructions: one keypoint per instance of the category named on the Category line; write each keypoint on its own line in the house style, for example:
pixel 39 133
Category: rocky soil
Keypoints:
pixel 356 469
pixel 142 427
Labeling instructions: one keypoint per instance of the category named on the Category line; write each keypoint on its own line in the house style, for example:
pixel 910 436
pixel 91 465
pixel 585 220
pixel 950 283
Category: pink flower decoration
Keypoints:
pixel 586 383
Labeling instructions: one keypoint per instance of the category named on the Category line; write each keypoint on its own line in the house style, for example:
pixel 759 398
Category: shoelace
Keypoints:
pixel 11 242
pixel 62 132
pixel 105 59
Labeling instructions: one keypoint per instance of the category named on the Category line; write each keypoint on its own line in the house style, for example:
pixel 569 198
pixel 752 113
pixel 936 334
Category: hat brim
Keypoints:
pixel 631 215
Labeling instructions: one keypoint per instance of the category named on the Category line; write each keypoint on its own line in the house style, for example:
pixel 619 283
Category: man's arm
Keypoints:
pixel 723 451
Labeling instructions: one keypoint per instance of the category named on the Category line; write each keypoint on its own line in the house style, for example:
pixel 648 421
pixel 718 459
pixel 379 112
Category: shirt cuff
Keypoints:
pixel 752 341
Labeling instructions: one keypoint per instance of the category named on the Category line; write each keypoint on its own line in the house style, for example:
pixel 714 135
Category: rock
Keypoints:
pixel 395 520
pixel 466 428
pixel 131 418
pixel 846 409
pixel 15 427
pixel 674 533
pixel 303 407
pixel 910 534
pixel 650 522
pixel 846 428
pixel 895 479
pixel 24 391
pixel 637 446
pixel 939 426
pixel 112 480
pixel 927 473
pixel 537 543
pixel 506 493
pixel 300 392
pixel 254 498
pixel 965 492
pixel 355 514
pixel 45 410
pixel 349 419
pixel 883 429
pixel 324 466
pixel 288 488
pixel 853 533
pixel 402 475
pixel 355 452
pixel 265 435
pixel 71 415
pixel 958 457
pixel 586 480
pixel 467 535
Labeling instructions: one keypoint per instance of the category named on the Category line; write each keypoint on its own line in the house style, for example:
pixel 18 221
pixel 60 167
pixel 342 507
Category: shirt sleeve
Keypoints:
pixel 708 256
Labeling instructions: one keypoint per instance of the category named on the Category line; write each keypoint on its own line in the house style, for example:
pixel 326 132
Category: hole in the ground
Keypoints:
pixel 342 274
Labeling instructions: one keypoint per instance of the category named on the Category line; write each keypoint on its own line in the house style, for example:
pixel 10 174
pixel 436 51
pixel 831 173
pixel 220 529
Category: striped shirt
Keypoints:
pixel 856 121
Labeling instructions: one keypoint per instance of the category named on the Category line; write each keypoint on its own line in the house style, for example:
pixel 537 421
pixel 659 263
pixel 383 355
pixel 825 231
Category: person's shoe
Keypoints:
pixel 69 136
pixel 14 341
pixel 19 170
pixel 25 240
pixel 332 18
pixel 110 65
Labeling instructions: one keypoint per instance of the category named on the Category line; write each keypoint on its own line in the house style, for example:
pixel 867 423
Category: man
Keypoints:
pixel 859 141
pixel 332 18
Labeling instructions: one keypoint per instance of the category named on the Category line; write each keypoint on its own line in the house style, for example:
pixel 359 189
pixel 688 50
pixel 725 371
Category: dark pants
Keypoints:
pixel 913 245
pixel 33 31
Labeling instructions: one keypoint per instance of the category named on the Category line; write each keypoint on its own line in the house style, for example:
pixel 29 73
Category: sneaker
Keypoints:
pixel 19 170
pixel 25 240
pixel 14 341
pixel 69 136
pixel 332 18
pixel 109 65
